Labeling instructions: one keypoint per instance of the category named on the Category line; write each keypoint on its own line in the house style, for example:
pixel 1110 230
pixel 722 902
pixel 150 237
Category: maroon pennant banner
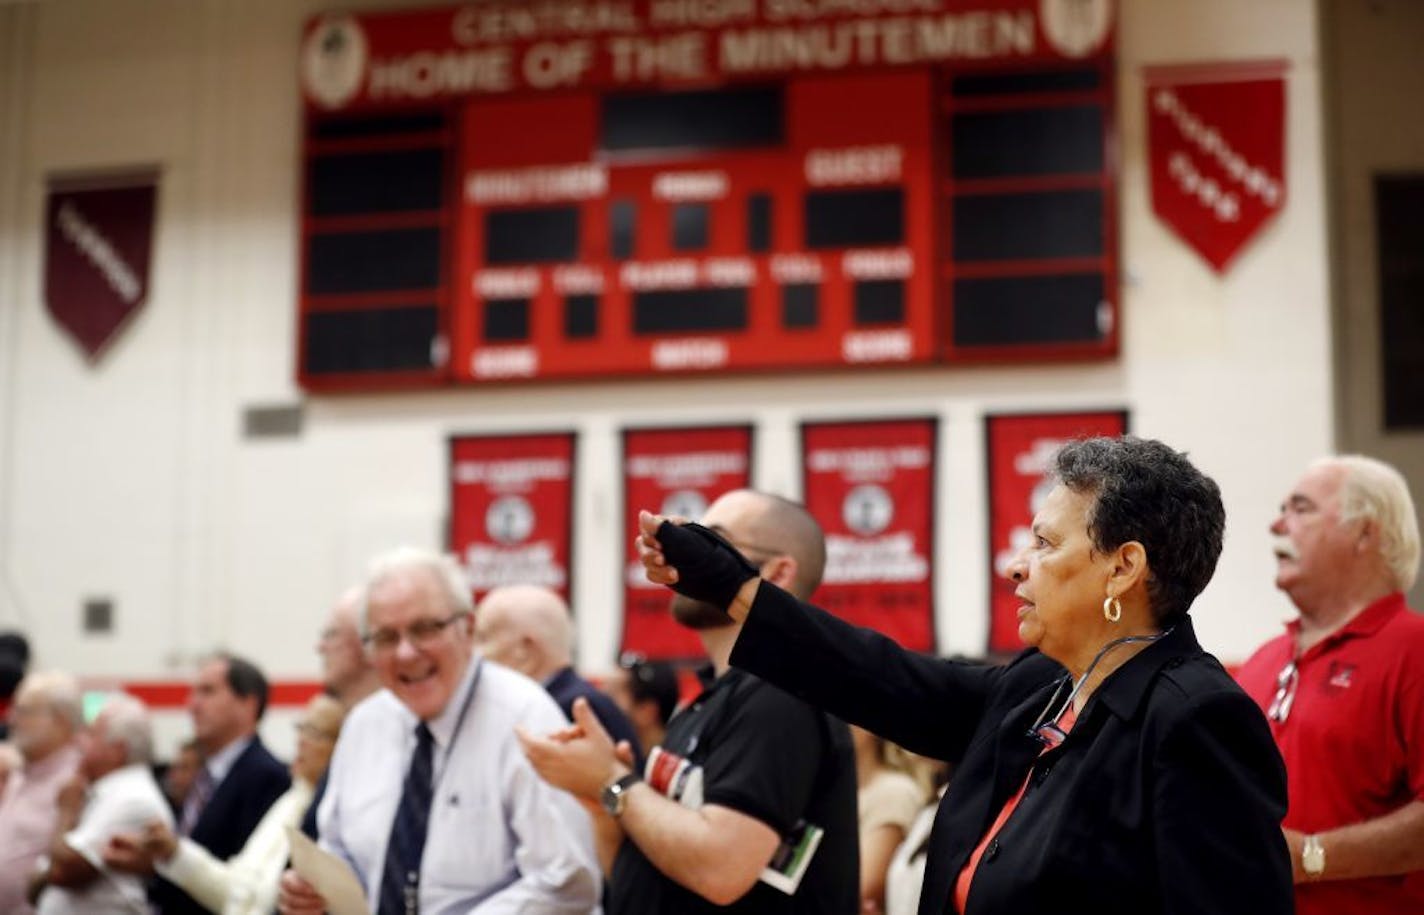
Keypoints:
pixel 1216 146
pixel 511 502
pixel 1021 449
pixel 871 486
pixel 98 246
pixel 672 472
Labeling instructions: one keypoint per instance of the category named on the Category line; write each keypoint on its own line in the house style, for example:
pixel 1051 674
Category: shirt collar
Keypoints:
pixel 728 679
pixel 562 677
pixel 1126 688
pixel 443 726
pixel 1366 623
pixel 122 774
pixel 66 757
pixel 221 762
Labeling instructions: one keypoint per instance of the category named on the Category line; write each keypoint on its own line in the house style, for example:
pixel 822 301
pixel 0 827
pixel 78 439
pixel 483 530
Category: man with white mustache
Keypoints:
pixel 429 798
pixel 1343 689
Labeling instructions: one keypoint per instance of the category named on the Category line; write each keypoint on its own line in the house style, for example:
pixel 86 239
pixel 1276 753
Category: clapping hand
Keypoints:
pixel 581 758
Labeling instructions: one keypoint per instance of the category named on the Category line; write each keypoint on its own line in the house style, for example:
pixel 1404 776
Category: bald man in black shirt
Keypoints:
pixel 749 780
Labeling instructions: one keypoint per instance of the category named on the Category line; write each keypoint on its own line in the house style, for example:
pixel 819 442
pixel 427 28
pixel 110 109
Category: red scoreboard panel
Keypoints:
pixel 510 191
pixel 784 233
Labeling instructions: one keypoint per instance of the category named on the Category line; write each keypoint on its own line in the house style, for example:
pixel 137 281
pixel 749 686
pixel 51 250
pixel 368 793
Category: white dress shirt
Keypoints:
pixel 221 762
pixel 499 838
pixel 125 800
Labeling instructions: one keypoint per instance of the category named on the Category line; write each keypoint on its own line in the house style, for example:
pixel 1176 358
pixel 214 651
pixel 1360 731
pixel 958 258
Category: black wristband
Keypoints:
pixel 708 567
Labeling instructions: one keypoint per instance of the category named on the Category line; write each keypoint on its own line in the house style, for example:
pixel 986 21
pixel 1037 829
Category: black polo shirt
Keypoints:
pixel 770 756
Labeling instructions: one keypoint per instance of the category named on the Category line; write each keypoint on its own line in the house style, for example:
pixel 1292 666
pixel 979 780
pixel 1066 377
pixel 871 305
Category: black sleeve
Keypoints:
pixel 928 705
pixel 1220 794
pixel 764 758
pixel 309 827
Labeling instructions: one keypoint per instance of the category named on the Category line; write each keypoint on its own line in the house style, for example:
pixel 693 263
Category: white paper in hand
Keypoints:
pixel 331 876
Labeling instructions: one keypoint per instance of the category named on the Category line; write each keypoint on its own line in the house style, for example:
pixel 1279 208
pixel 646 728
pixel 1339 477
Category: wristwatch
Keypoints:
pixel 1312 856
pixel 614 796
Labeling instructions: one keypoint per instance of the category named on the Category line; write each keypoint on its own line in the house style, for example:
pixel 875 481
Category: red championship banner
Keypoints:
pixel 672 472
pixel 510 509
pixel 871 485
pixel 1021 449
pixel 98 244
pixel 1216 144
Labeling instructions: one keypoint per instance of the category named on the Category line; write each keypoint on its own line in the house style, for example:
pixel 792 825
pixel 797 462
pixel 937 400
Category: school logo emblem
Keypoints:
pixel 334 60
pixel 1075 28
pixel 1341 676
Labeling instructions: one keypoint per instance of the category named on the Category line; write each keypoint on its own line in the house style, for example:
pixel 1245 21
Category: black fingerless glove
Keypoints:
pixel 708 567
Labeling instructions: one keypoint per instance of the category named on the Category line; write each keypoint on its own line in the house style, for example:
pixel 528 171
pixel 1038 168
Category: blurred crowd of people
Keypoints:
pixel 456 762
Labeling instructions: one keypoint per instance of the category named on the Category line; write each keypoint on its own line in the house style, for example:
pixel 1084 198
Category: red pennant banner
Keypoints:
pixel 1216 145
pixel 871 486
pixel 672 472
pixel 1021 449
pixel 98 244
pixel 510 509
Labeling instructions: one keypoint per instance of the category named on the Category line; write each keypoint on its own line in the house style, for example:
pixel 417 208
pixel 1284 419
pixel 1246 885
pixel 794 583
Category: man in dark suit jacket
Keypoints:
pixel 238 782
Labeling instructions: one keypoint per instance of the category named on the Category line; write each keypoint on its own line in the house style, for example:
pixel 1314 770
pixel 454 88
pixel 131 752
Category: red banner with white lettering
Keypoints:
pixel 672 472
pixel 1216 146
pixel 871 485
pixel 358 60
pixel 511 500
pixel 98 245
pixel 1021 449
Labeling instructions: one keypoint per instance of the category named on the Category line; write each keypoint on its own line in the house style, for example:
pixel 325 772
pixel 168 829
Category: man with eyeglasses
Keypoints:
pixel 346 673
pixel 428 797
pixel 1343 689
pixel 346 670
pixel 748 781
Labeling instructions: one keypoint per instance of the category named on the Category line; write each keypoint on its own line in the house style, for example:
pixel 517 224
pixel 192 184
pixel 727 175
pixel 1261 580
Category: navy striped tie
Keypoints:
pixel 400 881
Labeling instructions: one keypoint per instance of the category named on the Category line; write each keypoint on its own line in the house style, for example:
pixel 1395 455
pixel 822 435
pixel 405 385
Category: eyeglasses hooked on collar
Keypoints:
pixel 1048 731
pixel 1286 682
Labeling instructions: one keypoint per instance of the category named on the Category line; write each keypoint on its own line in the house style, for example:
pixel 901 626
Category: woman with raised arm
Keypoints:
pixel 1111 767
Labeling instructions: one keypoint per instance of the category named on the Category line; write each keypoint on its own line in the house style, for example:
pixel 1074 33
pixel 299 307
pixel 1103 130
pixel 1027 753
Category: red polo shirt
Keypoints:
pixel 1353 741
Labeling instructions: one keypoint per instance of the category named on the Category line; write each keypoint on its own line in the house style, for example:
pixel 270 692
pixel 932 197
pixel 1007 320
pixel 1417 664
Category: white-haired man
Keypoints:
pixel 346 673
pixel 529 629
pixel 346 670
pixel 114 792
pixel 1343 689
pixel 44 722
pixel 428 797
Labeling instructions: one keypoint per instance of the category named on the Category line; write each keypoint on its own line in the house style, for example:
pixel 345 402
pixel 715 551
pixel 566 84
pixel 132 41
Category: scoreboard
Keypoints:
pixel 616 204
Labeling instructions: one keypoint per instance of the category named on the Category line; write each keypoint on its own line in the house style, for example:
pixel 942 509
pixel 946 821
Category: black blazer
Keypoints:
pixel 239 802
pixel 1166 797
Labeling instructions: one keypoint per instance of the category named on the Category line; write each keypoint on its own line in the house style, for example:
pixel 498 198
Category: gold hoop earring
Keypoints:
pixel 1112 609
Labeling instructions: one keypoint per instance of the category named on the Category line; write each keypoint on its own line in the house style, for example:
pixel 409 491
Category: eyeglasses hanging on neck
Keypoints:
pixel 1047 730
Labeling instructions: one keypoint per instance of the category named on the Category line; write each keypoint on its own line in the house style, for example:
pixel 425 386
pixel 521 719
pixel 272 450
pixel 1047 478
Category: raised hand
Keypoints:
pixel 693 560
